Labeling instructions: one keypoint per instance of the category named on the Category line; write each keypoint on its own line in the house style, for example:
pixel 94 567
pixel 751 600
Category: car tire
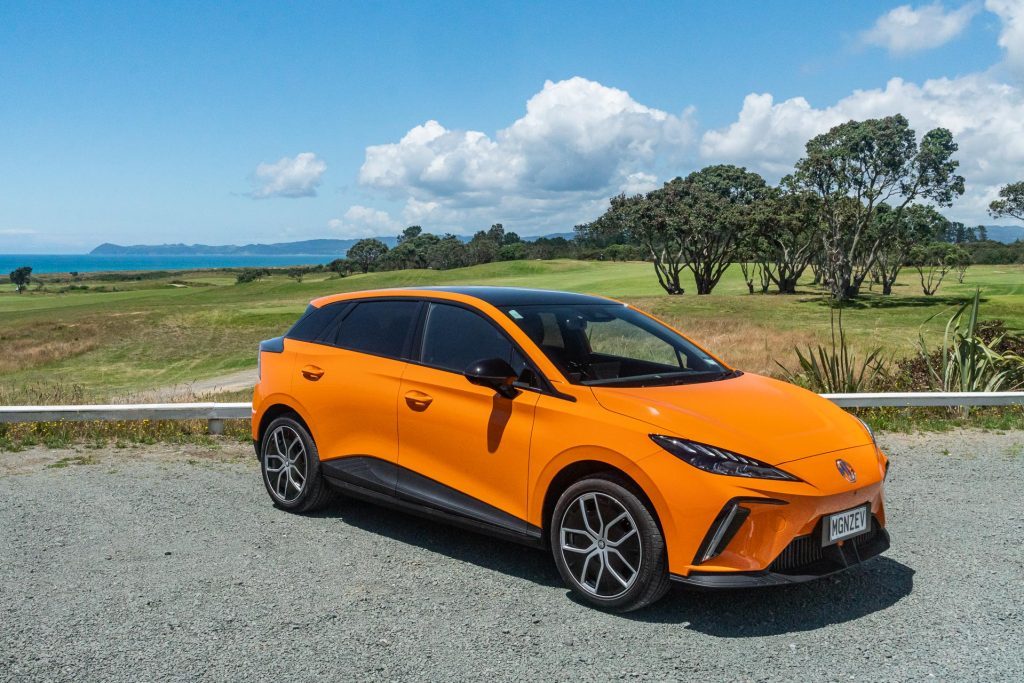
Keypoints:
pixel 290 465
pixel 607 544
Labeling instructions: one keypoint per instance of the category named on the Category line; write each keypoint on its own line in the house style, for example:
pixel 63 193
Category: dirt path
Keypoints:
pixel 234 381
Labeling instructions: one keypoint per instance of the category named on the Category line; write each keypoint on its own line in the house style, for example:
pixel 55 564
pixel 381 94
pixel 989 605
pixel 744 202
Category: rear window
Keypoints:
pixel 378 327
pixel 311 326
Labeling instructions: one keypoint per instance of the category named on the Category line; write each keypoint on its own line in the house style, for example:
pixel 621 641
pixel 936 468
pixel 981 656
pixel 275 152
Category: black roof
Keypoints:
pixel 520 296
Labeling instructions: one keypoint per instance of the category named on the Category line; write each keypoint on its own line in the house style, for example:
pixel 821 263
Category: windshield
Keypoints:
pixel 612 344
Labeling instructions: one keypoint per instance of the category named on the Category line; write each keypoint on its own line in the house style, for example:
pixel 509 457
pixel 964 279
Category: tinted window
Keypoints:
pixel 314 321
pixel 379 327
pixel 454 337
pixel 612 344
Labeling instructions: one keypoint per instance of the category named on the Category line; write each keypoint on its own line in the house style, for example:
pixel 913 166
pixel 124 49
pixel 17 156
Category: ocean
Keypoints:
pixel 91 263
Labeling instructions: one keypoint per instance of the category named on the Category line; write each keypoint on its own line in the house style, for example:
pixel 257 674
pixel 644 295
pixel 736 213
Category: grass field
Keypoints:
pixel 188 326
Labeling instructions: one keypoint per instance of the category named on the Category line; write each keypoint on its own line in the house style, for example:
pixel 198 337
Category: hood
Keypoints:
pixel 763 418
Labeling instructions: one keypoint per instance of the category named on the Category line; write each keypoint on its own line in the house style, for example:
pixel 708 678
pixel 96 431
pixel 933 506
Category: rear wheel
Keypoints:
pixel 607 545
pixel 291 467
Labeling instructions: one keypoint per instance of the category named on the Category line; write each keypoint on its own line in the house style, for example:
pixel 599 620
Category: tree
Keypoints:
pixel 21 277
pixel 367 253
pixel 297 273
pixel 963 262
pixel 341 266
pixel 448 252
pixel 900 232
pixel 1010 202
pixel 637 220
pixel 934 261
pixel 859 165
pixel 410 233
pixel 250 275
pixel 786 237
pixel 710 210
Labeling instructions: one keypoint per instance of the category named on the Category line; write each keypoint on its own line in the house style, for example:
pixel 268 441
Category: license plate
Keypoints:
pixel 846 524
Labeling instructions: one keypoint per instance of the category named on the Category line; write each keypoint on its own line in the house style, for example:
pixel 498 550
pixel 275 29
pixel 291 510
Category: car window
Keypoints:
pixel 455 337
pixel 611 344
pixel 315 321
pixel 379 327
pixel 619 338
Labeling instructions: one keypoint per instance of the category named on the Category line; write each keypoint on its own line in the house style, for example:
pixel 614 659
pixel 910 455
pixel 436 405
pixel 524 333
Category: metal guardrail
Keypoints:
pixel 216 413
pixel 927 399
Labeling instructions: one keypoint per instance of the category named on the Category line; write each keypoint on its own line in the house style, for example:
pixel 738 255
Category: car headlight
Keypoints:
pixel 867 429
pixel 719 460
pixel 883 460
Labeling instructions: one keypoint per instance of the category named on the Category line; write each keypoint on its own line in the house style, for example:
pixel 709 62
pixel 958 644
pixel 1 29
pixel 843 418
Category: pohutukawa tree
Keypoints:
pixel 858 166
pixel 367 253
pixel 934 261
pixel 1010 202
pixel 642 220
pixel 786 235
pixel 900 233
pixel 712 208
pixel 21 277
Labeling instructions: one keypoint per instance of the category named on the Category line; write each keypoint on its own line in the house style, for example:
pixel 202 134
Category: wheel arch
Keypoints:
pixel 565 474
pixel 271 413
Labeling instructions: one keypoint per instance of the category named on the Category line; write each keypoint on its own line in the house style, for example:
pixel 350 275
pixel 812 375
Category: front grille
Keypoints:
pixel 802 551
pixel 805 551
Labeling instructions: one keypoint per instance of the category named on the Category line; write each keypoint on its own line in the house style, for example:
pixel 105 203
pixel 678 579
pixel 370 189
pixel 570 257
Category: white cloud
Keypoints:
pixel 363 221
pixel 1011 38
pixel 579 141
pixel 986 118
pixel 288 177
pixel 905 29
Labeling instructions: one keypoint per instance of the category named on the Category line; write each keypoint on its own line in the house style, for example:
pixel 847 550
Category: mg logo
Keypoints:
pixel 846 469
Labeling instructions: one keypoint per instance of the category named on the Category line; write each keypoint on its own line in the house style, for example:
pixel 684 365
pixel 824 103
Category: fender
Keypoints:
pixel 592 453
pixel 280 399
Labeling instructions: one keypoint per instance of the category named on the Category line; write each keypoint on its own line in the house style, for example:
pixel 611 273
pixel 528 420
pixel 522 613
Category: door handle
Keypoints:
pixel 417 400
pixel 312 373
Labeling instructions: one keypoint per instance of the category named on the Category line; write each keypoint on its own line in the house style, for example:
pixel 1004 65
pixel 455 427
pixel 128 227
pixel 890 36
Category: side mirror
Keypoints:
pixel 494 373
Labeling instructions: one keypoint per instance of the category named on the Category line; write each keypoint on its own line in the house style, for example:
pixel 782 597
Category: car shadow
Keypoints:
pixel 509 558
pixel 872 587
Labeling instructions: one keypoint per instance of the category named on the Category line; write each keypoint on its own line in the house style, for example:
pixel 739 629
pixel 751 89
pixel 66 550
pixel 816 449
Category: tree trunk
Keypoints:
pixel 886 287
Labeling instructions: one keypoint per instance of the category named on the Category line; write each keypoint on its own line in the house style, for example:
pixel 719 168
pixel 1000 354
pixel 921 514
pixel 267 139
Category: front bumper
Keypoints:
pixel 804 559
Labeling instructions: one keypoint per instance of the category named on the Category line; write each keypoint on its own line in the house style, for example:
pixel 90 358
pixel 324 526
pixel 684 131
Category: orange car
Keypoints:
pixel 571 422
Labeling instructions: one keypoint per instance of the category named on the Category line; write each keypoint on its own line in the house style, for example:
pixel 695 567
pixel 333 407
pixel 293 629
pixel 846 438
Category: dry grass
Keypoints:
pixel 745 345
pixel 39 343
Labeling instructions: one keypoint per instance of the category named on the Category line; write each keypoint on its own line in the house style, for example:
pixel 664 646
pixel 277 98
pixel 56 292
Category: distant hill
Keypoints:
pixel 1005 233
pixel 325 247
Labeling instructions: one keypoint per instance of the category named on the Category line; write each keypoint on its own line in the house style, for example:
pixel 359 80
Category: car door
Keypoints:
pixel 463 447
pixel 348 381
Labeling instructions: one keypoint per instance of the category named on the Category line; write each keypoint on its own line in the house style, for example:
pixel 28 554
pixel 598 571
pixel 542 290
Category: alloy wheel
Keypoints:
pixel 284 463
pixel 600 545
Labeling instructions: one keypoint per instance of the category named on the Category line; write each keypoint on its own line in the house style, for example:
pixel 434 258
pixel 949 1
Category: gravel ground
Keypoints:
pixel 169 563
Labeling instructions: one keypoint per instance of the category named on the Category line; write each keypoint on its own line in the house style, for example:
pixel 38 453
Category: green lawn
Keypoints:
pixel 152 333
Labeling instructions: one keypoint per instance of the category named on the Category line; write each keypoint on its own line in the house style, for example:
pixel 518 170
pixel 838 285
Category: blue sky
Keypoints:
pixel 233 123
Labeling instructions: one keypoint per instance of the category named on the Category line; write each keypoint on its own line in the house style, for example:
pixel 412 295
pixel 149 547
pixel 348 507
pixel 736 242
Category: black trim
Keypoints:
pixel 741 515
pixel 520 296
pixel 386 483
pixel 843 560
pixel 275 345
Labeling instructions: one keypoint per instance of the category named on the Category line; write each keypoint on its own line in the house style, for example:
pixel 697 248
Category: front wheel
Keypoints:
pixel 291 467
pixel 607 545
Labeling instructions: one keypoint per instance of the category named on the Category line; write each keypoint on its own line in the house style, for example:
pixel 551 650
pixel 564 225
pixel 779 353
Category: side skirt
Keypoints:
pixel 384 483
